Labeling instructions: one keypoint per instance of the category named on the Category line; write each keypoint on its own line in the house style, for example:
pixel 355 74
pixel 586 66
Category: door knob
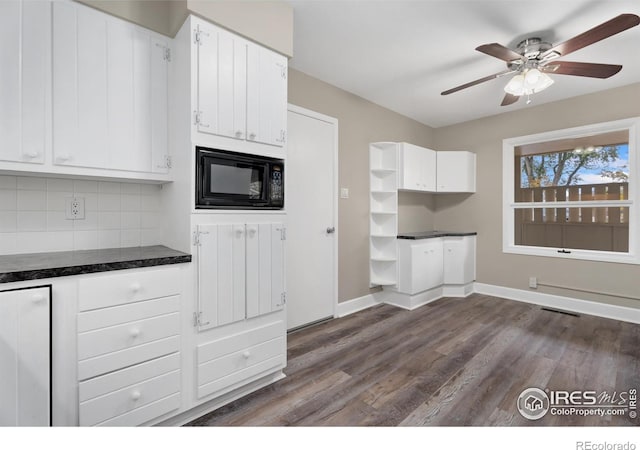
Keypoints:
pixel 331 230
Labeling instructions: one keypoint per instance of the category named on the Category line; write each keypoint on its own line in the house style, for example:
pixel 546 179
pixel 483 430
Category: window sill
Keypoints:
pixel 586 255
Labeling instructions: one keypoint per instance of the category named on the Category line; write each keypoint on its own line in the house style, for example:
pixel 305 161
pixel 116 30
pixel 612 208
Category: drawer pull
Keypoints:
pixel 135 287
pixel 135 332
pixel 37 298
pixel 135 396
pixel 246 354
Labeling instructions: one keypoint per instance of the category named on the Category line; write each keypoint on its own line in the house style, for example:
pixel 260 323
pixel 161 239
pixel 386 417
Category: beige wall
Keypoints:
pixel 483 211
pixel 269 23
pixel 162 16
pixel 361 122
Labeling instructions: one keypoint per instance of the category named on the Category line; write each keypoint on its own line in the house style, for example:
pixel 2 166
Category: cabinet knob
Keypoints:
pixel 239 232
pixel 252 136
pixel 135 287
pixel 252 232
pixel 134 333
pixel 37 298
pixel 246 354
pixel 63 158
pixel 135 395
pixel 32 154
pixel 238 133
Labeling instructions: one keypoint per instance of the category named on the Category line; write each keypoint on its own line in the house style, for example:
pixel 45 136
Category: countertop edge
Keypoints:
pixel 57 272
pixel 436 235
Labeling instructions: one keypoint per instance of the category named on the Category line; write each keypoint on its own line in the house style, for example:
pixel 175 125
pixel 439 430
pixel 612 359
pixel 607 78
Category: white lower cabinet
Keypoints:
pixel 420 265
pixel 128 346
pixel 226 363
pixel 25 340
pixel 426 264
pixel 459 259
pixel 240 272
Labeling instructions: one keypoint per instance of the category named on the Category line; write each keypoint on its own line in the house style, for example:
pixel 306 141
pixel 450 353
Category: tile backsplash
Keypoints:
pixel 32 215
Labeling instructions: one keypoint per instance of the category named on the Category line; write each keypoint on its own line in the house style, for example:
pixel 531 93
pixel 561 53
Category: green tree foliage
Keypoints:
pixel 564 168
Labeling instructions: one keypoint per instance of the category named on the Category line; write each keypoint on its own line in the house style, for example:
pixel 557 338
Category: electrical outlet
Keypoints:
pixel 344 192
pixel 74 208
pixel 533 282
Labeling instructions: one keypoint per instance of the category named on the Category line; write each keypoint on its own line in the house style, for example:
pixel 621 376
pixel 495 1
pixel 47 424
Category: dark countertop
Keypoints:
pixel 434 234
pixel 34 266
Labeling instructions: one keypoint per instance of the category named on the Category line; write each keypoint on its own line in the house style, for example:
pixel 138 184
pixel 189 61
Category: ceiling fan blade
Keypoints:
pixel 473 83
pixel 509 99
pixel 602 31
pixel 581 69
pixel 499 51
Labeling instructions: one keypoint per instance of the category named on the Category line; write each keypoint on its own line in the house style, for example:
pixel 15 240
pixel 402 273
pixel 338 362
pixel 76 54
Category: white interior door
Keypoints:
pixel 311 179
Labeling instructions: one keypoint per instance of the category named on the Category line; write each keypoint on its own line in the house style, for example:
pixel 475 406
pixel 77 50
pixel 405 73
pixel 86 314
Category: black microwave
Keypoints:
pixel 230 180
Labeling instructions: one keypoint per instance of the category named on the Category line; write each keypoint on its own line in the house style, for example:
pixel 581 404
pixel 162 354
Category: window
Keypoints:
pixel 572 193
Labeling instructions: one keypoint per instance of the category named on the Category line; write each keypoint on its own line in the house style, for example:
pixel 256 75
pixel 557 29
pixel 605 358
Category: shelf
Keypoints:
pixel 383 192
pixel 383 282
pixel 383 259
pixel 384 236
pixel 383 171
pixel 385 213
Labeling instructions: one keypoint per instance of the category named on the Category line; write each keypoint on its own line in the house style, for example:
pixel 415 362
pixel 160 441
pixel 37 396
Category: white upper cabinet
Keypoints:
pixel 266 96
pixel 110 84
pixel 417 168
pixel 25 28
pixel 222 82
pixel 456 171
pixel 241 87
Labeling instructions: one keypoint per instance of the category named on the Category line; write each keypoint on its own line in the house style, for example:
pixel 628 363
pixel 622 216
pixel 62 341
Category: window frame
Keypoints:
pixel 632 125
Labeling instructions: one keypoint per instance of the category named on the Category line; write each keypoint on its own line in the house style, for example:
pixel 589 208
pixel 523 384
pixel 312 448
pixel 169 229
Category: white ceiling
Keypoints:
pixel 401 54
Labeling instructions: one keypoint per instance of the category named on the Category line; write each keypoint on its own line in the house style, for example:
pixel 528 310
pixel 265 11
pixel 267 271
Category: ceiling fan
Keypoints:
pixel 533 59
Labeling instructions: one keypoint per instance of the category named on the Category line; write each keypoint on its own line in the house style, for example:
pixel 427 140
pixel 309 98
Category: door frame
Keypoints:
pixel 334 122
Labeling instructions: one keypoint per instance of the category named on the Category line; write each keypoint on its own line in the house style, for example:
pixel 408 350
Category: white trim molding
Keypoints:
pixel 575 305
pixel 358 304
pixel 632 256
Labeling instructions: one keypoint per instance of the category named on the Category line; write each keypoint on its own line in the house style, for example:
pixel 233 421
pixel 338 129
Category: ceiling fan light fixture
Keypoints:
pixel 529 82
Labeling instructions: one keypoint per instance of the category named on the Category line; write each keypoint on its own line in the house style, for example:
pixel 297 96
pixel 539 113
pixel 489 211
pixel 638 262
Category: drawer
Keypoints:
pixel 145 413
pixel 234 343
pixel 125 400
pixel 114 381
pixel 109 362
pixel 132 286
pixel 106 317
pixel 126 335
pixel 232 368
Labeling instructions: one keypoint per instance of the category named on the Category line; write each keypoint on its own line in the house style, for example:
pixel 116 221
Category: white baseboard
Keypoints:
pixel 358 304
pixel 615 312
pixel 410 302
pixel 622 313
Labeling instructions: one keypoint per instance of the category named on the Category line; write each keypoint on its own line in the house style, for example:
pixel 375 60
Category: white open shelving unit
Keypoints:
pixel 383 213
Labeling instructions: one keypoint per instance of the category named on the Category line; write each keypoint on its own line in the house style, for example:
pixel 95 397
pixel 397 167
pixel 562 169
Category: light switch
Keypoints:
pixel 344 192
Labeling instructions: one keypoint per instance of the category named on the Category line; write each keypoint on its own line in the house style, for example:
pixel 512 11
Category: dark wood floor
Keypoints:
pixel 453 362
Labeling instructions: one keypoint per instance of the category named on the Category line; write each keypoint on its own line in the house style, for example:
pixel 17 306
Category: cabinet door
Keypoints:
pixel 24 77
pixel 111 85
pixel 265 268
pixel 266 96
pixel 222 82
pixel 221 274
pixel 410 165
pixel 80 84
pixel 418 168
pixel 24 357
pixel 456 171
pixel 426 265
pixel 459 260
